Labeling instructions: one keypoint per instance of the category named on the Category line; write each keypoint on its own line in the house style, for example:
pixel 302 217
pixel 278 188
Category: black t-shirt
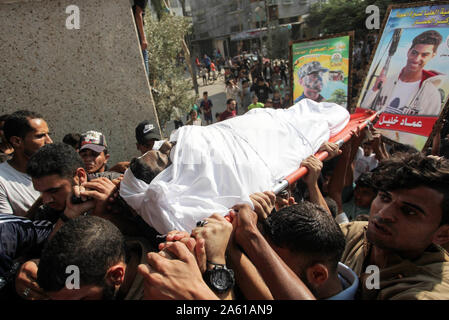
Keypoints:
pixel 262 92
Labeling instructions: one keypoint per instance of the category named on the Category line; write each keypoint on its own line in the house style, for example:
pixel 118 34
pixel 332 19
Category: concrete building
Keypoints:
pixel 233 26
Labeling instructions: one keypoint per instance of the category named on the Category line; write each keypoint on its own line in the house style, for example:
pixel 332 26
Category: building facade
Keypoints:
pixel 234 26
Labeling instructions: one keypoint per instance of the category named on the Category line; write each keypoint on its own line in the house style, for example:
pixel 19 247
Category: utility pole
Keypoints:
pixel 270 39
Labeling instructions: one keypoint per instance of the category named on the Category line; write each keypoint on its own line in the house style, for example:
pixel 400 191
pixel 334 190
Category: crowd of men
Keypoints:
pixel 371 211
pixel 251 81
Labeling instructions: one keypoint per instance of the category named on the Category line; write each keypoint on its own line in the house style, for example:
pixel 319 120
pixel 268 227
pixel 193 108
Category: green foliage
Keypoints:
pixel 164 38
pixel 339 97
pixel 337 16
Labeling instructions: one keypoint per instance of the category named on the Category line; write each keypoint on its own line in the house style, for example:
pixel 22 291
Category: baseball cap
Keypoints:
pixel 146 131
pixel 311 67
pixel 93 140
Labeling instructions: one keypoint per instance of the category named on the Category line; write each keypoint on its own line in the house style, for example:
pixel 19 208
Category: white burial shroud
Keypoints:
pixel 217 166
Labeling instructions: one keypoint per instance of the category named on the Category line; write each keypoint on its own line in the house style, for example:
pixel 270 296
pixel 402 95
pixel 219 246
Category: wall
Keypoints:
pixel 79 80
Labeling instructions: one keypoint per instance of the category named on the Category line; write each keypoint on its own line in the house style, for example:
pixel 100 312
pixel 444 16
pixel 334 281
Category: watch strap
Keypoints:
pixel 223 266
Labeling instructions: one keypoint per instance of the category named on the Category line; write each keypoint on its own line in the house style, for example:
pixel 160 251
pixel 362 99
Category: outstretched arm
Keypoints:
pixel 139 23
pixel 314 166
pixel 343 171
pixel 280 279
pixel 247 276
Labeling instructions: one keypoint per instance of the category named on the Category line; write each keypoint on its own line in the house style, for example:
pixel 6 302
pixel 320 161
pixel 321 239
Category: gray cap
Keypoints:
pixel 309 68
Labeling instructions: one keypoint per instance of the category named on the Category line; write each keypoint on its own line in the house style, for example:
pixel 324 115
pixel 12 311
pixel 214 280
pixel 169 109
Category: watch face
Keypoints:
pixel 222 279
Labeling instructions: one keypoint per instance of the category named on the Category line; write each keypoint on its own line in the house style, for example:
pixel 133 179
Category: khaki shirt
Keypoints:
pixel 426 278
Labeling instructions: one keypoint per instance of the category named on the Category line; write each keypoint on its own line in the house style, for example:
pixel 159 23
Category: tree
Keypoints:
pixel 335 16
pixel 172 88
pixel 159 7
pixel 339 97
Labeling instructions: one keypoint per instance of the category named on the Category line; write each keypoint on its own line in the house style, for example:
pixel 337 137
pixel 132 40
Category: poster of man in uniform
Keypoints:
pixel 321 69
pixel 408 80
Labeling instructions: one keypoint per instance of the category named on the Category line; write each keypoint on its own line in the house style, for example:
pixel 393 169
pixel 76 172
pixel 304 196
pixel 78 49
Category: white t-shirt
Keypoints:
pixel 363 163
pixel 401 96
pixel 17 193
pixel 217 166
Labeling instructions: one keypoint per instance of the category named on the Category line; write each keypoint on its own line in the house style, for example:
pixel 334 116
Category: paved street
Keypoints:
pixel 216 93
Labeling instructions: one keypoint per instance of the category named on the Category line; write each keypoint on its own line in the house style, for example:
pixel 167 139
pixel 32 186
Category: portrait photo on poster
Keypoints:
pixel 408 78
pixel 321 69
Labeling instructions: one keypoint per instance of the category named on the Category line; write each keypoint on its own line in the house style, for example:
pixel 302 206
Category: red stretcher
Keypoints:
pixel 357 120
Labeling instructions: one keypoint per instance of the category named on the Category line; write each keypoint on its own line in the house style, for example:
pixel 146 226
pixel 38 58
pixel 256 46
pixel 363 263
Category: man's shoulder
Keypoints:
pixel 4 166
pixel 10 175
pixel 356 245
pixel 427 278
pixel 354 229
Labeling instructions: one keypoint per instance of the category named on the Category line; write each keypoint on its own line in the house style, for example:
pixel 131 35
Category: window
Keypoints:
pixel 236 28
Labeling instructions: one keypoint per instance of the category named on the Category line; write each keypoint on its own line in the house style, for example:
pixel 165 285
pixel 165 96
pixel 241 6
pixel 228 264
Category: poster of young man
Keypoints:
pixel 408 80
pixel 321 69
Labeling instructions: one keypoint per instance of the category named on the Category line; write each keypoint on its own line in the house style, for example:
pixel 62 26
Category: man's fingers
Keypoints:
pixel 148 273
pixel 180 251
pixel 102 185
pixel 93 194
pixel 272 196
pixel 200 255
pixel 144 270
pixel 155 261
pixel 76 191
pixel 263 202
pixel 190 243
pixel 176 235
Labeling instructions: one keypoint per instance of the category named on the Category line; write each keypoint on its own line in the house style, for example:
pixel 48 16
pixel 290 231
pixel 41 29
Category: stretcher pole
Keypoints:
pixel 322 155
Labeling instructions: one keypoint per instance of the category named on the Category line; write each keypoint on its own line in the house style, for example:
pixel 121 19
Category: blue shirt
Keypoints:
pixel 20 236
pixel 349 282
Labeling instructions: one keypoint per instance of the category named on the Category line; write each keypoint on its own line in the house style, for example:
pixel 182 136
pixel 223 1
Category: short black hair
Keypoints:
pixel 56 158
pixel 430 37
pixel 308 229
pixel 3 117
pixel 365 180
pixel 18 124
pixel 141 171
pixel 412 170
pixel 402 148
pixel 72 139
pixel 91 243
pixel 229 101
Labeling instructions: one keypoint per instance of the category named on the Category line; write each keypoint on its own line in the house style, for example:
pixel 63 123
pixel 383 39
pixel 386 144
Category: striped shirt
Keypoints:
pixel 21 237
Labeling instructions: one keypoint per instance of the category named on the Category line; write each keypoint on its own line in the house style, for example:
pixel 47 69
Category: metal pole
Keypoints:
pixel 270 40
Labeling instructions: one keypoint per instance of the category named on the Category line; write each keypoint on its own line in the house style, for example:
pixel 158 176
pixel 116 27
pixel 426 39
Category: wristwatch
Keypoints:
pixel 220 279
